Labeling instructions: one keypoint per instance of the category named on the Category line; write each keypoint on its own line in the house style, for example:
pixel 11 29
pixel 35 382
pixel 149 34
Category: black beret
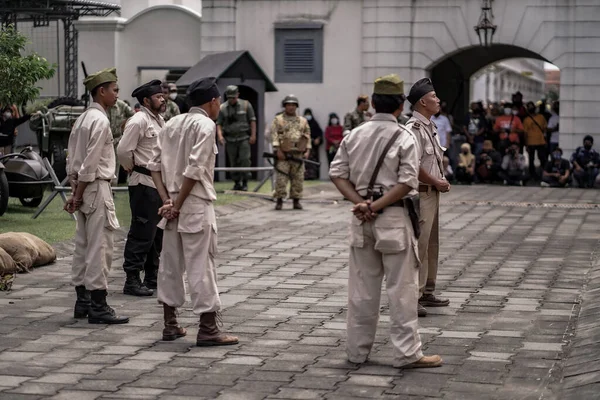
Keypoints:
pixel 420 89
pixel 203 90
pixel 147 90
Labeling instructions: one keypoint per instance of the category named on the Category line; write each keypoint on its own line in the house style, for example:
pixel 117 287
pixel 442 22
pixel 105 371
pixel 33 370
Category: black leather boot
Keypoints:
pixel 134 286
pixel 82 304
pixel 297 205
pixel 150 277
pixel 279 204
pixel 244 187
pixel 102 313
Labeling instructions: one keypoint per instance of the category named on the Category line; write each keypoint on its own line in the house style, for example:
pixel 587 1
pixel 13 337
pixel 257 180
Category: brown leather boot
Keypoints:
pixel 172 329
pixel 209 333
pixel 297 205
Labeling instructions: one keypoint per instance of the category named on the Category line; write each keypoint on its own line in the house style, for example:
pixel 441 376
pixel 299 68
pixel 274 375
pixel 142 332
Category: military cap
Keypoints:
pixel 290 99
pixel 92 81
pixel 389 85
pixel 147 90
pixel 231 91
pixel 420 89
pixel 203 90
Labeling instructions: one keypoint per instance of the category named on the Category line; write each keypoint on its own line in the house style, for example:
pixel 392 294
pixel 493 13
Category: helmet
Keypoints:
pixel 290 99
pixel 231 91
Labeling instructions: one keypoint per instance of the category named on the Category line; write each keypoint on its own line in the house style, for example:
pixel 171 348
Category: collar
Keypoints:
pixel 97 106
pixel 421 117
pixel 198 110
pixel 151 114
pixel 384 117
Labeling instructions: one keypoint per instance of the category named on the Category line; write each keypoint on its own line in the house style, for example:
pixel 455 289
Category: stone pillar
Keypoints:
pixel 218 26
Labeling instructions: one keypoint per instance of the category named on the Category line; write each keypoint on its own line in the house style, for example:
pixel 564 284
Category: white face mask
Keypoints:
pixel 507 111
pixel 334 121
pixel 515 112
pixel 172 96
pixel 308 117
pixel 7 115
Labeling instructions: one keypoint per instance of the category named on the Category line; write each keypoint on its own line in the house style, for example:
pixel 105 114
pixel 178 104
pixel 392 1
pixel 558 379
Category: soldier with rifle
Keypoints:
pixel 290 136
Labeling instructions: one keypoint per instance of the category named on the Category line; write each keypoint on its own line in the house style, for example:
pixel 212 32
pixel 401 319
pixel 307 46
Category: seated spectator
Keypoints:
pixel 508 128
pixel 465 171
pixel 488 163
pixel 514 166
pixel 334 133
pixel 448 172
pixel 558 170
pixel 585 163
pixel 474 128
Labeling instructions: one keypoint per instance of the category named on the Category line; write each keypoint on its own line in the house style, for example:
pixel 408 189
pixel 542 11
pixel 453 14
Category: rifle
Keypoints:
pixel 290 157
pixel 86 95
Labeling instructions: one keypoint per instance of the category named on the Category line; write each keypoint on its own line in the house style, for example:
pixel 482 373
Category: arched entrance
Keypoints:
pixel 451 74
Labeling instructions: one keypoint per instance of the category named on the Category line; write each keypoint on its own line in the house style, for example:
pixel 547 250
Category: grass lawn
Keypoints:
pixel 55 225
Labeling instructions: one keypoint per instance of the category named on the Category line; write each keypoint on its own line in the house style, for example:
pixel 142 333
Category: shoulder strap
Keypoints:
pixel 381 159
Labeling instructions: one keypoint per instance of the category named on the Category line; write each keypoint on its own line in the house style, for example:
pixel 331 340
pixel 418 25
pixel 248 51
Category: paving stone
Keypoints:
pixel 12 380
pixel 293 393
pixel 542 346
pixel 78 395
pixel 37 388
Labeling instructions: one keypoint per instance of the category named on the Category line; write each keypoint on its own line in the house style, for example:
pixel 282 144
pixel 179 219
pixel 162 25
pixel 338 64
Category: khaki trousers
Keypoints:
pixel 429 240
pixel 96 221
pixel 190 245
pixel 385 247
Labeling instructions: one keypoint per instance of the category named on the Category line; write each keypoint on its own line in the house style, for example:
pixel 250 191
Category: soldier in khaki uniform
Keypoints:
pixel 357 116
pixel 171 109
pixel 183 169
pixel 431 183
pixel 236 130
pixel 290 136
pixel 382 237
pixel 91 167
pixel 144 240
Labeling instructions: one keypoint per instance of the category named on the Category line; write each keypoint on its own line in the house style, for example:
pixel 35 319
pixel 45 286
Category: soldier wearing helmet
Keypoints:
pixel 236 130
pixel 290 135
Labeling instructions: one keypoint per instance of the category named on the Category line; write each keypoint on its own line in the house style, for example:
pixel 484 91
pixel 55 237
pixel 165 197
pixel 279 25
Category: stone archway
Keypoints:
pixel 451 74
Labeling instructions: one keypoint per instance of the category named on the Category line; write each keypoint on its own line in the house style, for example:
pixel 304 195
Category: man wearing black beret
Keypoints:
pixel 144 240
pixel 431 183
pixel 183 170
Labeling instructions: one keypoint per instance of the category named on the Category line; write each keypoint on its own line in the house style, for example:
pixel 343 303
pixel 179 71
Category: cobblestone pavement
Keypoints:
pixel 513 262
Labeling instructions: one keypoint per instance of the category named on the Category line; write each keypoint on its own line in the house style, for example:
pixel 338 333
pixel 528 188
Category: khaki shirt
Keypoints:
pixel 91 152
pixel 360 150
pixel 431 152
pixel 187 148
pixel 135 148
pixel 287 132
pixel 117 115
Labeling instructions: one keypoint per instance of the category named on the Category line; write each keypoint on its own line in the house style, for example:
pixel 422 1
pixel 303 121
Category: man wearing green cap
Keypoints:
pixel 431 183
pixel 376 167
pixel 236 129
pixel 91 167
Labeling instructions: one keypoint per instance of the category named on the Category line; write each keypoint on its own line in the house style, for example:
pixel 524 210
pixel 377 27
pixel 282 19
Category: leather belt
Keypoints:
pixel 427 188
pixel 142 170
pixel 399 203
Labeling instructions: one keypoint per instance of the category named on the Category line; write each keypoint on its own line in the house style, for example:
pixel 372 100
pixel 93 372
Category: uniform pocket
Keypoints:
pixel 90 199
pixel 357 238
pixel 190 222
pixel 390 231
pixel 112 222
pixel 213 250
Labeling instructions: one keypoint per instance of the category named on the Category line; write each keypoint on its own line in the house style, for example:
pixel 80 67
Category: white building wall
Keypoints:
pixel 342 57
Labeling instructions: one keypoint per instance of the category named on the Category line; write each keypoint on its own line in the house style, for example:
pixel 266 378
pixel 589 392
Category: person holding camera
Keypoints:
pixel 585 163
pixel 558 171
pixel 508 128
pixel 488 163
pixel 513 167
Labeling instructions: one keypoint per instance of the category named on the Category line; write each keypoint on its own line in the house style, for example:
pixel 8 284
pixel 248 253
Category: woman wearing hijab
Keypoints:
pixel 312 171
pixel 465 171
pixel 334 133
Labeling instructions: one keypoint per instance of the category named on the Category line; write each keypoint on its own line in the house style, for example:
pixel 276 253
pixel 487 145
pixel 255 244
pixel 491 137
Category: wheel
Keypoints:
pixel 58 158
pixel 3 192
pixel 31 201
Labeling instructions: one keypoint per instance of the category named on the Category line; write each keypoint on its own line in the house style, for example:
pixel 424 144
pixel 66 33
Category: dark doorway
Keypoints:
pixel 249 94
pixel 451 75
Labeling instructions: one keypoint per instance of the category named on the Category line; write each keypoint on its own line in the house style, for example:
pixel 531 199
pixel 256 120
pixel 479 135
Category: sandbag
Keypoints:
pixel 22 250
pixel 7 264
pixel 46 253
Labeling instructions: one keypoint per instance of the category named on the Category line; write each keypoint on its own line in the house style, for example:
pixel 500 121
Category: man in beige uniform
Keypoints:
pixel 91 167
pixel 431 182
pixel 144 240
pixel 382 238
pixel 183 169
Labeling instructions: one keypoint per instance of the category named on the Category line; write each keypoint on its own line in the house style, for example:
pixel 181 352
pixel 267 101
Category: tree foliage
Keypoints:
pixel 20 73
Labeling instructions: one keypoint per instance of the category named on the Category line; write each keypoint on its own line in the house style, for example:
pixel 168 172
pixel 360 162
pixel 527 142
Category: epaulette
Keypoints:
pixel 417 125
